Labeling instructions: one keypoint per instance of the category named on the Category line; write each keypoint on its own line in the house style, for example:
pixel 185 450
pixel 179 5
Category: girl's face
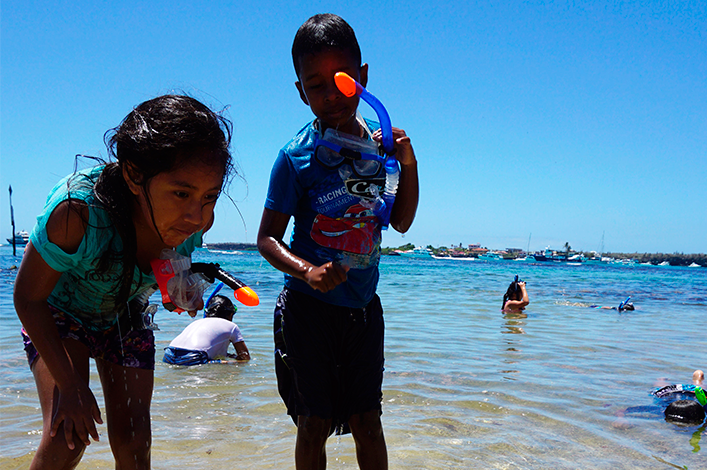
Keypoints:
pixel 182 201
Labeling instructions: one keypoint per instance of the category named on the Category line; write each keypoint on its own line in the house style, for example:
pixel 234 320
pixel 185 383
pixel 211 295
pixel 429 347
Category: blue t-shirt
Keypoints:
pixel 330 223
pixel 83 292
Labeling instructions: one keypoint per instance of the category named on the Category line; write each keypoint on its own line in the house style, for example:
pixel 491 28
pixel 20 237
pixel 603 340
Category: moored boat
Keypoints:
pixel 418 252
pixel 21 238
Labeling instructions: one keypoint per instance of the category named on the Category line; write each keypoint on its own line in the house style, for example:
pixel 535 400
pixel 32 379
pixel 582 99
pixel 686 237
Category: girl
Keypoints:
pixel 516 297
pixel 88 261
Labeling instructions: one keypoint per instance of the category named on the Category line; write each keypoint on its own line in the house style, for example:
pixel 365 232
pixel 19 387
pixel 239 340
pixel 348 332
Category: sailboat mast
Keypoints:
pixel 12 220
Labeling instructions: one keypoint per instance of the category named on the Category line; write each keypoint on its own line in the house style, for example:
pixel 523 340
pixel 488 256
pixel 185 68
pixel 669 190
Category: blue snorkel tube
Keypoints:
pixel 350 87
pixel 622 304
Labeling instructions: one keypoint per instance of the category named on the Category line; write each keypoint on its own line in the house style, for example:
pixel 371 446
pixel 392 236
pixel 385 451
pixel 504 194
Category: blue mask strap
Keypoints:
pixel 348 153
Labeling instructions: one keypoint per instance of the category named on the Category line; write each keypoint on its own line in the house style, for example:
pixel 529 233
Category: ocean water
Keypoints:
pixel 562 386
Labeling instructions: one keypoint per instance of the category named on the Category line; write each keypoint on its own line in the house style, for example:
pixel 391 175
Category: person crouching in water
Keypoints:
pixel 516 297
pixel 207 339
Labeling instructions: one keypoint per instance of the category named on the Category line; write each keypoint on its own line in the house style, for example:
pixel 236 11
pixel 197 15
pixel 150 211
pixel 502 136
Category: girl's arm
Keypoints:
pixel 519 304
pixel 272 228
pixel 76 407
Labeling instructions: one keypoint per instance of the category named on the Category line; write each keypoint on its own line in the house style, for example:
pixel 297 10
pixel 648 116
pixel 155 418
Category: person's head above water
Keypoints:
pixel 688 412
pixel 698 377
pixel 220 306
pixel 514 292
pixel 324 45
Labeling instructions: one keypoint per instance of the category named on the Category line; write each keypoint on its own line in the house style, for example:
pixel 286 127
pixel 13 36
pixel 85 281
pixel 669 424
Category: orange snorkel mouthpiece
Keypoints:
pixel 346 84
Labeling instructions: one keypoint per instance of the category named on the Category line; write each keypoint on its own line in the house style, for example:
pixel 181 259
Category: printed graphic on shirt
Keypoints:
pixel 355 232
pixel 347 231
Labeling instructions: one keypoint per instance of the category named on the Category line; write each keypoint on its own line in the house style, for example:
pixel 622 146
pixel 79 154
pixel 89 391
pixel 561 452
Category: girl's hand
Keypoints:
pixel 78 410
pixel 327 276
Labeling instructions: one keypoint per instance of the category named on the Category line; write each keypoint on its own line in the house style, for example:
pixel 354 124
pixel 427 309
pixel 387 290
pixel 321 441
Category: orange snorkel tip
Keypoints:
pixel 346 84
pixel 246 296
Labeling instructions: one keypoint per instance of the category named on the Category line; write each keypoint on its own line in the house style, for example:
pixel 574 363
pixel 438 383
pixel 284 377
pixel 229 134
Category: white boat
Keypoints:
pixel 456 258
pixel 418 252
pixel 491 256
pixel 664 263
pixel 21 238
pixel 694 265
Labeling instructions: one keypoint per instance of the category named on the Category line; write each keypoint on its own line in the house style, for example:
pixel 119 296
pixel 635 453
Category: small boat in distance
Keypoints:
pixel 418 252
pixel 21 238
pixel 490 256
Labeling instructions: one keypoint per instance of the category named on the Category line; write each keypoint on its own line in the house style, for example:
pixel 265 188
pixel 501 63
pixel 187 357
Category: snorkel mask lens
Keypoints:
pixel 335 149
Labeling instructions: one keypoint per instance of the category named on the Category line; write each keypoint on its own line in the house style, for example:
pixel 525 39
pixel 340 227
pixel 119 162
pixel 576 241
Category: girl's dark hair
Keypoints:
pixel 321 32
pixel 159 135
pixel 513 293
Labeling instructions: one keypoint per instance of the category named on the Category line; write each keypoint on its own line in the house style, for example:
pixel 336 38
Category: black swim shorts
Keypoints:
pixel 328 359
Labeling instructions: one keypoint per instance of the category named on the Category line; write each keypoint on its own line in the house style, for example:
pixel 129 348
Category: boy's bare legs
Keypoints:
pixel 367 430
pixel 128 395
pixel 53 452
pixel 310 448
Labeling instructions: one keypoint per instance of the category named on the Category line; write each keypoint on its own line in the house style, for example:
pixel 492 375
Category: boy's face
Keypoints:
pixel 318 90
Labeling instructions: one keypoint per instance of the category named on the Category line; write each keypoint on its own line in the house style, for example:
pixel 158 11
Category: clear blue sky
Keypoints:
pixel 567 122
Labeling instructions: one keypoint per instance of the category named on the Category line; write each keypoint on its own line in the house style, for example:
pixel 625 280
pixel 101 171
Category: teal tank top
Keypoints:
pixel 83 292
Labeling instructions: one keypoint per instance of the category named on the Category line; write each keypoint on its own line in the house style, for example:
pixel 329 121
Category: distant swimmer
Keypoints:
pixel 625 305
pixel 516 297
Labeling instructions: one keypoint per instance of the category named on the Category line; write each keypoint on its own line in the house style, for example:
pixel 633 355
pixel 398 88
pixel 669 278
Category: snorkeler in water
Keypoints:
pixel 626 305
pixel 516 297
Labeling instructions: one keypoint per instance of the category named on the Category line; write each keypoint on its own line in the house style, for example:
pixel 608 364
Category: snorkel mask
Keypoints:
pixel 335 149
pixel 367 159
pixel 183 283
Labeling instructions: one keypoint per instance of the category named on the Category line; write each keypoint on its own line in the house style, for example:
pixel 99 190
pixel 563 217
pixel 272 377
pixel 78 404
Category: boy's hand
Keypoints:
pixel 404 152
pixel 326 277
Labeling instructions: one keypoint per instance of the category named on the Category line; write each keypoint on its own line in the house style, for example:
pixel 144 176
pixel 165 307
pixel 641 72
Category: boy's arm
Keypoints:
pixel 242 353
pixel 270 245
pixel 407 197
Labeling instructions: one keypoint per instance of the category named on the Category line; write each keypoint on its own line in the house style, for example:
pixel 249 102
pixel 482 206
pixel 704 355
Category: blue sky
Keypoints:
pixel 569 122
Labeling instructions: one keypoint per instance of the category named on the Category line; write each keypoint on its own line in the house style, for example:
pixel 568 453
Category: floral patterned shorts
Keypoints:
pixel 133 349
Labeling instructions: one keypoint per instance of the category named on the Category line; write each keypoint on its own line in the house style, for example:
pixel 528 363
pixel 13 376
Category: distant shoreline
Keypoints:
pixel 675 259
pixel 233 246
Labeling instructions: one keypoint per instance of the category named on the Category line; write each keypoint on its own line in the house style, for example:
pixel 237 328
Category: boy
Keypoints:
pixel 328 315
pixel 207 339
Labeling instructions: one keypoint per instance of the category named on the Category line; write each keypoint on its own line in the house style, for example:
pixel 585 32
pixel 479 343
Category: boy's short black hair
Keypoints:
pixel 321 32
pixel 220 307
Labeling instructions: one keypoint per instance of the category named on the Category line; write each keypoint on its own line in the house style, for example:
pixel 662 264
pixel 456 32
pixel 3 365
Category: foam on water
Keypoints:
pixel 464 387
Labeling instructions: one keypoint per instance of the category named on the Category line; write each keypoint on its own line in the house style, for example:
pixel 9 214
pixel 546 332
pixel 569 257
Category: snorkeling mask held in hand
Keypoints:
pixel 367 162
pixel 183 283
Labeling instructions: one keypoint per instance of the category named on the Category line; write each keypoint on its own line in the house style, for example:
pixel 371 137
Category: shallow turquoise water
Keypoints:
pixel 465 386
